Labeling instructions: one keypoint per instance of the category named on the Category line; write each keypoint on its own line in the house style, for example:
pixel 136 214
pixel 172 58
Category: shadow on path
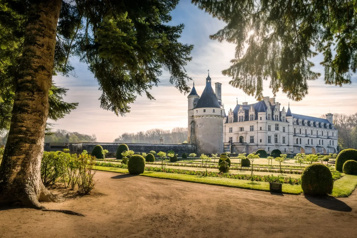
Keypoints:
pixel 329 202
pixel 121 176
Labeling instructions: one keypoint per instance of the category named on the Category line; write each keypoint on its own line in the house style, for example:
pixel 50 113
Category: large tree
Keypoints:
pixel 125 43
pixel 276 39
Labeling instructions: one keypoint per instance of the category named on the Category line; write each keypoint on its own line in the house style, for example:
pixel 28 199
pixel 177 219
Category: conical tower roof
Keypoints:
pixel 193 91
pixel 208 97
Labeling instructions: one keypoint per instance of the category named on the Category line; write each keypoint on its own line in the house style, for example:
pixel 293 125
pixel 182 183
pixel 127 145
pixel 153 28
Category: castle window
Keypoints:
pixel 230 129
pixel 312 132
pixel 269 139
pixel 251 117
pixel 241 139
pixel 214 110
pixel 276 118
pixel 322 142
pixel 300 140
pixel 251 128
pixel 276 127
pixel 241 128
pixel 251 139
pixel 297 140
pixel 268 116
pixel 269 127
pixel 308 141
pixel 305 131
pixel 230 139
pixel 261 118
pixel 204 110
pixel 261 128
pixel 300 130
pixel 283 139
pixel 283 129
pixel 312 141
pixel 283 119
pixel 275 138
pixel 260 140
pixel 294 130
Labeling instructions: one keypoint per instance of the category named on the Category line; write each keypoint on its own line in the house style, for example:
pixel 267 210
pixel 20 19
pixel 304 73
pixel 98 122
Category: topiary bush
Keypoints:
pixel 136 164
pixel 150 158
pixel 317 180
pixel 224 157
pixel 98 152
pixel 245 162
pixel 343 156
pixel 262 153
pixel 275 153
pixel 223 166
pixel 173 158
pixel 350 167
pixel 121 148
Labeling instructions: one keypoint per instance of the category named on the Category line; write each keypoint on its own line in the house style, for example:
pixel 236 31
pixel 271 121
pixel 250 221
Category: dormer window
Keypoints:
pixel 251 117
pixel 204 110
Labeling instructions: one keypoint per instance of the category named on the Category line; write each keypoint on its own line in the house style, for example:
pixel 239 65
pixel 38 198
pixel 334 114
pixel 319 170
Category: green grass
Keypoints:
pixel 263 186
pixel 344 186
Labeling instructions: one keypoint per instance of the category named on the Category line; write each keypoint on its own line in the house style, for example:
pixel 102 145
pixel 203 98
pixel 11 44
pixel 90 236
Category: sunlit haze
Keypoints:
pixel 169 110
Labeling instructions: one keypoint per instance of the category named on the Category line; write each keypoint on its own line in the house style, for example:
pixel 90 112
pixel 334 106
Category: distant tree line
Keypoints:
pixel 154 136
pixel 347 130
pixel 63 136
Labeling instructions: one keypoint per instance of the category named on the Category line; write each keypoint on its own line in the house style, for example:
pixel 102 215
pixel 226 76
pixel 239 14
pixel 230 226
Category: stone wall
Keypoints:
pixel 112 147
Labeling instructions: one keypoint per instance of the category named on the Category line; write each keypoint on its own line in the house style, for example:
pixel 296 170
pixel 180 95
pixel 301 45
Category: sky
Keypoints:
pixel 169 109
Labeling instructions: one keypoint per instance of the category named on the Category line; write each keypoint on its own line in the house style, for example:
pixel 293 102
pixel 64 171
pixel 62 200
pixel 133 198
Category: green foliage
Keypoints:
pixel 150 158
pixel 121 148
pixel 281 159
pixel 184 156
pixel 262 153
pixel 63 136
pixel 343 156
pixel 74 171
pixel 152 152
pixel 1 153
pixel 136 164
pixel 350 167
pixel 275 153
pixel 300 158
pixel 161 154
pixel 224 157
pixel 124 160
pixel 280 37
pixel 192 155
pixel 317 180
pixel 245 162
pixel 98 152
pixel 223 166
pixel 173 158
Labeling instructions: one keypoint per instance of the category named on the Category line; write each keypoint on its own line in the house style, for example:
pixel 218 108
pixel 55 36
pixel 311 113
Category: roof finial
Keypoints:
pixel 237 100
pixel 193 83
pixel 208 73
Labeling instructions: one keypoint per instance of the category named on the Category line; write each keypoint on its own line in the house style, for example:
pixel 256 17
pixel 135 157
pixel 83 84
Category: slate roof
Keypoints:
pixel 308 118
pixel 193 91
pixel 208 97
pixel 288 113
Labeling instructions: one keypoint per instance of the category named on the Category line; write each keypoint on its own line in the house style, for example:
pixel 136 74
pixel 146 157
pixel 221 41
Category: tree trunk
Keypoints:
pixel 20 175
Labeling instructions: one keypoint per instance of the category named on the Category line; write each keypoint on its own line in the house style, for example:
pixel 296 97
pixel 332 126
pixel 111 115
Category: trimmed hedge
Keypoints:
pixel 350 167
pixel 317 180
pixel 173 158
pixel 121 148
pixel 275 153
pixel 224 157
pixel 136 164
pixel 150 158
pixel 98 152
pixel 262 153
pixel 245 163
pixel 343 156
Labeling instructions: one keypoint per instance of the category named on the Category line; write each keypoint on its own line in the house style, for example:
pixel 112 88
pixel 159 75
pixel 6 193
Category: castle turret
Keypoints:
pixel 208 121
pixel 192 101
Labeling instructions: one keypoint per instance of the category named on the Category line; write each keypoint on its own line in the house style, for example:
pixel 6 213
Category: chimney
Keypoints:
pixel 329 117
pixel 218 87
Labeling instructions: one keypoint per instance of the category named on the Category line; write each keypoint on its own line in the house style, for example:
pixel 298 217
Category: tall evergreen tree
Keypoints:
pixel 125 43
pixel 276 39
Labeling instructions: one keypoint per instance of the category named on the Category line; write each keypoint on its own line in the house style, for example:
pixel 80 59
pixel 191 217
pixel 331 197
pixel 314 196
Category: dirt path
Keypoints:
pixel 136 206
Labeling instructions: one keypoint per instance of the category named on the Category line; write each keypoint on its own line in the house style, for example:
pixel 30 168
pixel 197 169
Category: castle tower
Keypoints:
pixel 192 101
pixel 207 123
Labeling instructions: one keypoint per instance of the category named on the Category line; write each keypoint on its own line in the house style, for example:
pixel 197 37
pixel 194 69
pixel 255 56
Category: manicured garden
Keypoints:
pixel 245 171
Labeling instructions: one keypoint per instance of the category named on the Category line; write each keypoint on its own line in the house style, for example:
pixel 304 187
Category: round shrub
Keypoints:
pixel 173 158
pixel 262 153
pixel 121 148
pixel 223 166
pixel 150 158
pixel 275 153
pixel 350 167
pixel 245 162
pixel 184 156
pixel 224 157
pixel 136 164
pixel 98 152
pixel 343 156
pixel 317 180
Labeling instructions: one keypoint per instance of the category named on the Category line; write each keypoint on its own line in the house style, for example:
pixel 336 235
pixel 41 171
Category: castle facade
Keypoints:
pixel 249 127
